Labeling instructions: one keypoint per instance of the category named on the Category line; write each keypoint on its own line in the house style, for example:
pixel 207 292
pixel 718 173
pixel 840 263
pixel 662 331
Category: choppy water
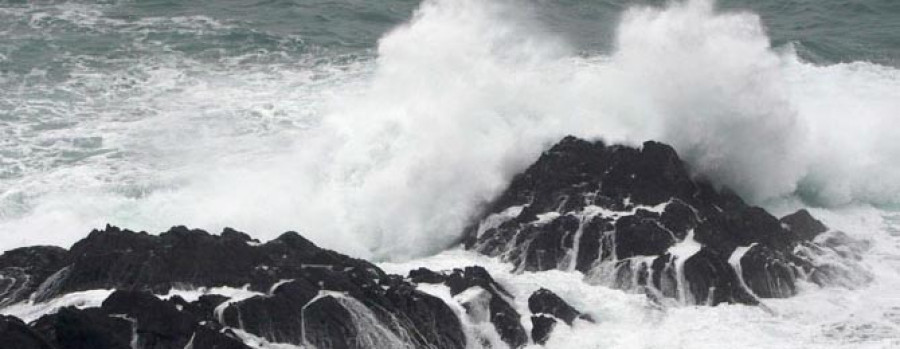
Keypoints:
pixel 364 123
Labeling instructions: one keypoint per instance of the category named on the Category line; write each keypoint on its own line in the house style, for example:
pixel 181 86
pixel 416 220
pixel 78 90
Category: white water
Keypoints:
pixel 405 147
pixel 389 157
pixel 867 317
pixel 30 311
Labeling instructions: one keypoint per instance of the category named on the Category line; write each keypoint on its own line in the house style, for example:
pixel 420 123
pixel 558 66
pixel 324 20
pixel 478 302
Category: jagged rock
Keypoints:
pixel 204 308
pixel 804 225
pixel 72 328
pixel 769 273
pixel 633 218
pixel 158 324
pixel 16 334
pixel 120 259
pixel 23 269
pixel 279 317
pixel 541 327
pixel 499 312
pixel 206 337
pixel 711 280
pixel 294 275
pixel 434 323
pixel 544 301
pixel 639 236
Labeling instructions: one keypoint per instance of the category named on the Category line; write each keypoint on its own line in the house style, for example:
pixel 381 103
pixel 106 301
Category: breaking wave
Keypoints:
pixel 389 155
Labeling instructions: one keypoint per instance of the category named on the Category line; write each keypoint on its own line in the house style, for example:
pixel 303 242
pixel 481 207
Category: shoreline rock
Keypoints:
pixel 625 217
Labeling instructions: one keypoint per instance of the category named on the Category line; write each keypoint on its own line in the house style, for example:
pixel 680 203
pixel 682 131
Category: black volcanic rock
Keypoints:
pixel 769 273
pixel 277 317
pixel 301 287
pixel 804 225
pixel 16 334
pixel 626 217
pixel 541 328
pixel 504 317
pixel 121 259
pixel 638 236
pixel 544 301
pixel 157 323
pixel 23 270
pixel 634 218
pixel 711 280
pixel 72 328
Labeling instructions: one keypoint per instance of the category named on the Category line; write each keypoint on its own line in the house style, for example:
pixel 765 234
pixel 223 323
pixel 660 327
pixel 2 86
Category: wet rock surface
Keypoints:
pixel 630 218
pixel 297 293
pixel 634 218
pixel 486 299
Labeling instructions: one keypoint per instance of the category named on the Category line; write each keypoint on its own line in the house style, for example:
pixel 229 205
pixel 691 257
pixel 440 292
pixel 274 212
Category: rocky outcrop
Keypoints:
pixel 541 328
pixel 548 308
pixel 24 269
pixel 483 298
pixel 16 334
pixel 304 295
pixel 544 301
pixel 634 218
pixel 630 218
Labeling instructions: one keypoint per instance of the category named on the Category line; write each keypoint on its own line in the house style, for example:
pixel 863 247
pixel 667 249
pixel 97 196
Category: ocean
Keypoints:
pixel 380 128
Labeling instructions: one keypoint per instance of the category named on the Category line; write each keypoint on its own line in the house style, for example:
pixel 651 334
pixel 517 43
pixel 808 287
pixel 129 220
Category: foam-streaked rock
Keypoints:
pixel 634 218
pixel 493 301
pixel 301 293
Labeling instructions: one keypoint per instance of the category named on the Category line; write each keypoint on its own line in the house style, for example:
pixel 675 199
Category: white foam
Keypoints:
pixel 409 145
pixel 829 318
pixel 30 311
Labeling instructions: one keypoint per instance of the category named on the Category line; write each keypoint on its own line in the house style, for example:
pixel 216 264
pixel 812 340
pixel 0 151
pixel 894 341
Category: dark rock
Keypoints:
pixel 504 317
pixel 543 301
pixel 804 225
pixel 121 259
pixel 16 334
pixel 462 279
pixel 500 312
pixel 424 275
pixel 712 280
pixel 433 324
pixel 277 318
pixel 615 212
pixel 159 324
pixel 541 327
pixel 641 237
pixel 22 271
pixel 507 322
pixel 281 316
pixel 72 328
pixel 597 239
pixel 678 218
pixel 291 271
pixel 550 244
pixel 208 338
pixel 329 324
pixel 769 273
pixel 134 319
